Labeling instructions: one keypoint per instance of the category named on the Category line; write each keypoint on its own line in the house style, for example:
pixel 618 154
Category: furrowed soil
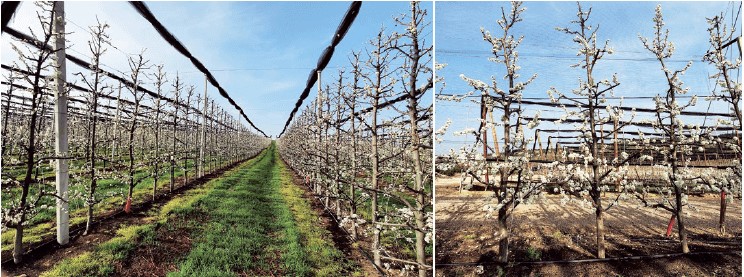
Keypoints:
pixel 549 231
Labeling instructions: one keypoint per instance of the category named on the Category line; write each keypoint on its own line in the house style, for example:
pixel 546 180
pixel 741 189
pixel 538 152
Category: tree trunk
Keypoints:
pixel 157 170
pixel 89 221
pixel 600 230
pixel 18 245
pixel 680 221
pixel 502 229
pixel 722 218
pixel 30 162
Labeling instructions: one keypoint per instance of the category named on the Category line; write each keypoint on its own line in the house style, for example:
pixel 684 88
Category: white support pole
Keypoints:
pixel 319 118
pixel 203 130
pixel 60 125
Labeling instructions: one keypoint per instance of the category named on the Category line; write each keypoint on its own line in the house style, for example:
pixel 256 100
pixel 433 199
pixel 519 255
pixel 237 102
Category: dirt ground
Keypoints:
pixel 549 231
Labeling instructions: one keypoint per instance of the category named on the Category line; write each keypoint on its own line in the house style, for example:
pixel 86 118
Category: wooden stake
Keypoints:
pixel 485 136
pixel 495 137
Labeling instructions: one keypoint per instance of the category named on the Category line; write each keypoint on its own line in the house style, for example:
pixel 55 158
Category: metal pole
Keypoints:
pixel 60 125
pixel 319 118
pixel 203 130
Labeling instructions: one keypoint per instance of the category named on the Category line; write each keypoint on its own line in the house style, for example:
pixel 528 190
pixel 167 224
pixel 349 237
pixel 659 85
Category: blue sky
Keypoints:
pixel 549 53
pixel 274 44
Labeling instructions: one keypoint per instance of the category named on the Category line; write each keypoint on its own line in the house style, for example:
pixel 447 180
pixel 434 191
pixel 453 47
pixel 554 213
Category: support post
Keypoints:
pixel 484 111
pixel 60 125
pixel 617 148
pixel 319 118
pixel 203 131
pixel 537 152
pixel 493 133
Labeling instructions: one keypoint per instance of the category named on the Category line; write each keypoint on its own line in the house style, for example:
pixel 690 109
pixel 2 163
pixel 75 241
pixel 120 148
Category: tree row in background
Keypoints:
pixel 126 143
pixel 364 145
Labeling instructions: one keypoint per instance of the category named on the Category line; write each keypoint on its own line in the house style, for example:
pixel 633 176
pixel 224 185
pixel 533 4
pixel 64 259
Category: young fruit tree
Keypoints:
pixel 177 87
pixel 379 82
pixel 720 38
pixel 97 88
pixel 156 161
pixel 137 66
pixel 416 82
pixel 676 145
pixel 517 181
pixel 588 172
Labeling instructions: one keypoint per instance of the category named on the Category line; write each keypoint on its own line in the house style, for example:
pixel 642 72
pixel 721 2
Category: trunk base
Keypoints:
pixel 128 205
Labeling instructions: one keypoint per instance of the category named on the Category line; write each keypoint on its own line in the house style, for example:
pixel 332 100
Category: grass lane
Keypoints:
pixel 259 225
pixel 253 221
pixel 103 259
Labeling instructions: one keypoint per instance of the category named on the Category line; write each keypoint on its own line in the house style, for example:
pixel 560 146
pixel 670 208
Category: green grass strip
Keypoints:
pixel 324 258
pixel 253 221
pixel 101 261
pixel 261 226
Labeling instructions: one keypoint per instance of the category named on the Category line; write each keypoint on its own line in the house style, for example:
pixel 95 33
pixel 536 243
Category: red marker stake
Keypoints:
pixel 671 225
pixel 128 206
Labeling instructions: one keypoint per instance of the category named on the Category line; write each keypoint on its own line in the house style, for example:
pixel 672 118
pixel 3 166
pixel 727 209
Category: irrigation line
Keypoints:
pixel 477 53
pixel 498 159
pixel 128 102
pixel 325 58
pixel 173 41
pixel 658 256
pixel 676 241
pixel 84 112
pixel 382 105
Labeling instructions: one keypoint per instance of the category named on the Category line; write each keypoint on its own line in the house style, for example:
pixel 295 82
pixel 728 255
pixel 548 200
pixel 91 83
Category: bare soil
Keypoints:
pixel 173 242
pixel 549 231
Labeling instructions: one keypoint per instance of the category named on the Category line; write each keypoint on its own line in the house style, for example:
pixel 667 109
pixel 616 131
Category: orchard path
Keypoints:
pixel 251 221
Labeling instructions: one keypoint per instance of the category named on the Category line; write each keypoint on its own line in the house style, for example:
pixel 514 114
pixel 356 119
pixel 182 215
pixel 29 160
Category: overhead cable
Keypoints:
pixel 173 41
pixel 8 9
pixel 325 58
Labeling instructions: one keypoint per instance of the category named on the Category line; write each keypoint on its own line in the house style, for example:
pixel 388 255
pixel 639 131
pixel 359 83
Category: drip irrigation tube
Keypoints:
pixel 645 257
